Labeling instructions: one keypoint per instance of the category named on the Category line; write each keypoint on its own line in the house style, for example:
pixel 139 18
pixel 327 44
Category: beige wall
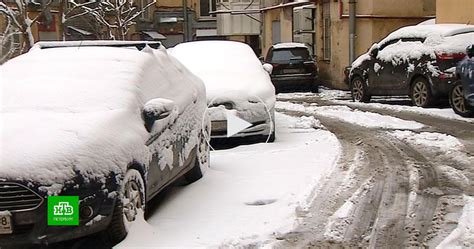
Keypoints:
pixel 377 18
pixel 285 16
pixel 455 11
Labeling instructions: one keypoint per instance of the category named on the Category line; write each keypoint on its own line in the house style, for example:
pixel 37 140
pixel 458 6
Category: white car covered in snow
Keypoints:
pixel 236 83
pixel 108 123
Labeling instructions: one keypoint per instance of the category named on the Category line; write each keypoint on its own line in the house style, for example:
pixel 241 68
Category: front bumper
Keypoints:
pixel 295 82
pixel 219 129
pixel 30 227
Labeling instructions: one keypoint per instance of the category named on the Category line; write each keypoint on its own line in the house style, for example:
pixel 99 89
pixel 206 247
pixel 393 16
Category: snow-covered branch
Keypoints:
pixel 115 16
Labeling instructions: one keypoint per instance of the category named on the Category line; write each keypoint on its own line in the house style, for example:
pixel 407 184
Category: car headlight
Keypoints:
pixel 227 105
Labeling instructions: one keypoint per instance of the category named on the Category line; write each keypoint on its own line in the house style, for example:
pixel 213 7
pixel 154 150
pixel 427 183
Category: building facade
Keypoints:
pixel 455 11
pixel 324 26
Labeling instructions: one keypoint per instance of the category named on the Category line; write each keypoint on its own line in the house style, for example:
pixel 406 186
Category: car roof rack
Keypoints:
pixel 98 43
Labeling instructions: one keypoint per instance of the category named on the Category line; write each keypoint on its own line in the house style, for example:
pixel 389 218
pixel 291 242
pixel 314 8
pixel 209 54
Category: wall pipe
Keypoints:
pixel 352 29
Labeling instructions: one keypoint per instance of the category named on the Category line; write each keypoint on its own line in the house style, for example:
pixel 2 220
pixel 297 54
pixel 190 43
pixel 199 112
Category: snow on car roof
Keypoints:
pixel 83 79
pixel 94 43
pixel 289 45
pixel 230 70
pixel 425 31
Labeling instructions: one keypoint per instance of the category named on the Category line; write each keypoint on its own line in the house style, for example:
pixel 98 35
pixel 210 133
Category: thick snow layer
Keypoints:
pixel 426 31
pixel 79 111
pixel 289 45
pixel 440 38
pixel 230 71
pixel 248 194
pixel 337 95
pixel 463 235
pixel 429 139
pixel 366 119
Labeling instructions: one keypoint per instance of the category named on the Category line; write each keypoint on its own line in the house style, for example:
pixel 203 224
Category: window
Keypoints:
pixel 145 15
pixel 290 54
pixel 326 30
pixel 207 6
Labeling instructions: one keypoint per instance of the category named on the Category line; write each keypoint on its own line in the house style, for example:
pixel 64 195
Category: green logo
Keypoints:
pixel 63 210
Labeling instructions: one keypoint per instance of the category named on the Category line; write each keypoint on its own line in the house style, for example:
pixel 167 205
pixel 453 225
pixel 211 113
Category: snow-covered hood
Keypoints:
pixel 230 71
pixel 51 148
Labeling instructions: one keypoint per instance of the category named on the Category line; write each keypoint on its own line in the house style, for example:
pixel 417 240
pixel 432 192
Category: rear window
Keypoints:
pixel 289 54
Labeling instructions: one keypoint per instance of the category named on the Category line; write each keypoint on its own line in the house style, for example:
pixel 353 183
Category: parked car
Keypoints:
pixel 418 61
pixel 109 123
pixel 294 68
pixel 461 96
pixel 235 81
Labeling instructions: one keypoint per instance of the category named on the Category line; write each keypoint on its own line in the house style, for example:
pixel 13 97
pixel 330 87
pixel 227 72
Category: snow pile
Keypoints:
pixel 306 122
pixel 248 194
pixel 429 139
pixel 330 94
pixel 296 95
pixel 447 113
pixel 463 235
pixel 366 119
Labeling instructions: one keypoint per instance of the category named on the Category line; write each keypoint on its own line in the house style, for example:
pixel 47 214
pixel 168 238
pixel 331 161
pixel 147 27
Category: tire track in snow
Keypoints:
pixel 378 196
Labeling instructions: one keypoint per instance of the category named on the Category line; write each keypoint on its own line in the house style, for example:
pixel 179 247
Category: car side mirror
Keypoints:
pixel 470 51
pixel 156 109
pixel 268 67
pixel 374 52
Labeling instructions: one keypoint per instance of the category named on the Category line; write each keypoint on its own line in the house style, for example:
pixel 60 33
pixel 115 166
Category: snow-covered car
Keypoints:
pixel 109 126
pixel 418 61
pixel 293 67
pixel 461 96
pixel 236 82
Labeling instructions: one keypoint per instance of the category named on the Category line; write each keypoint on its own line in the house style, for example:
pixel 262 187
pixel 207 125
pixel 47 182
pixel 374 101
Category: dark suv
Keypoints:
pixel 293 67
pixel 418 61
pixel 461 96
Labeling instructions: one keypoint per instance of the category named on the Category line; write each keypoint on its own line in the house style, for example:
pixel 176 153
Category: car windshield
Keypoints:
pixel 289 54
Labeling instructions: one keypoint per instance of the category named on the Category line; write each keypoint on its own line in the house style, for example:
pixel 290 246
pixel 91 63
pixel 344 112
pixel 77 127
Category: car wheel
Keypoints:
pixel 458 103
pixel 201 163
pixel 421 93
pixel 129 205
pixel 359 90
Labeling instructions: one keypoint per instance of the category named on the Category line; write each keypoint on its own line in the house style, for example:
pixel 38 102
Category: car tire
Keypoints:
pixel 458 103
pixel 420 93
pixel 202 160
pixel 314 89
pixel 272 137
pixel 127 210
pixel 359 90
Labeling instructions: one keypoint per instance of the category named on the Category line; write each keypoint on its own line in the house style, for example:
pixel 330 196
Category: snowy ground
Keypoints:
pixel 249 194
pixel 404 177
pixel 398 104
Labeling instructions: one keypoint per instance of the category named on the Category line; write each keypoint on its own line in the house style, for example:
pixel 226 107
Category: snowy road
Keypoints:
pixel 249 194
pixel 397 184
pixel 339 174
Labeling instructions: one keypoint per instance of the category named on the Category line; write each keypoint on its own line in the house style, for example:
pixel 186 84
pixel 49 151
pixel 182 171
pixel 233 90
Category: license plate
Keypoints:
pixel 219 125
pixel 293 70
pixel 5 224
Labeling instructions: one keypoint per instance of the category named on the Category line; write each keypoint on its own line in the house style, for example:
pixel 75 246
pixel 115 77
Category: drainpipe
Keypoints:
pixel 185 20
pixel 352 30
